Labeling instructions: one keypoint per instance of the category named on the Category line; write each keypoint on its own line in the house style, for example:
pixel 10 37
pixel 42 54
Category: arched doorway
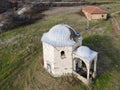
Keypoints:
pixel 49 68
pixel 91 70
pixel 80 67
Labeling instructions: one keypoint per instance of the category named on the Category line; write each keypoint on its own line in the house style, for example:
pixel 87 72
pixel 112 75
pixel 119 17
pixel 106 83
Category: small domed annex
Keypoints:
pixel 60 35
pixel 85 52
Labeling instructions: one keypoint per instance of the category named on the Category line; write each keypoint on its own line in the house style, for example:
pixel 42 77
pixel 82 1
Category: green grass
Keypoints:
pixel 92 0
pixel 21 56
pixel 110 8
pixel 102 0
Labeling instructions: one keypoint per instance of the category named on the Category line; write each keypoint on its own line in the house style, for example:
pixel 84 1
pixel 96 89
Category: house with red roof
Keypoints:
pixel 94 13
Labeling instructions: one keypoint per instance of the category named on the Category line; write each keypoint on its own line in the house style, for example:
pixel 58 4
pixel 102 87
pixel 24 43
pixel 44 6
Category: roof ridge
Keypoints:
pixel 94 9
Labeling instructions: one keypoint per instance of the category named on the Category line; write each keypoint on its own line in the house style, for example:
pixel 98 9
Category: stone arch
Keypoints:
pixel 80 67
pixel 91 68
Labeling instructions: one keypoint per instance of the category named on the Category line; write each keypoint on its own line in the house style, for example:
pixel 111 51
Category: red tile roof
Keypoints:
pixel 94 10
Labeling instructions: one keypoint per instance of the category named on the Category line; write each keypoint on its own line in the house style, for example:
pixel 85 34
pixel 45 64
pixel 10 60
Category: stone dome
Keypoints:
pixel 59 35
pixel 83 51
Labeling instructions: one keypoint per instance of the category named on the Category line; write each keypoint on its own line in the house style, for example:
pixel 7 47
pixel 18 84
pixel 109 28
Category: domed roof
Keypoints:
pixel 59 35
pixel 85 53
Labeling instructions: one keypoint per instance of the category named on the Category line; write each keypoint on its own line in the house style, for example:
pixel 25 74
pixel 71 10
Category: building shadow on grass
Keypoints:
pixel 108 55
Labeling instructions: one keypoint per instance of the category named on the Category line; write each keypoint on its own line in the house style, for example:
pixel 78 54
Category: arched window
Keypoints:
pixel 62 54
pixel 49 68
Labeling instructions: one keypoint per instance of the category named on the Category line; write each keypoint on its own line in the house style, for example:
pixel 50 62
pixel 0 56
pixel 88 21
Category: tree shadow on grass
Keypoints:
pixel 19 21
pixel 108 55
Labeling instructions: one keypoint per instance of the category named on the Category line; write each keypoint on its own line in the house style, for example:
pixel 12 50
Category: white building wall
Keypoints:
pixel 48 54
pixel 62 66
pixel 99 16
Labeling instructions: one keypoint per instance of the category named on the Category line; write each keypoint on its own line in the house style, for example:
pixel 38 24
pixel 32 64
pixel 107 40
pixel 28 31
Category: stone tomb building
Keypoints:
pixel 94 13
pixel 64 54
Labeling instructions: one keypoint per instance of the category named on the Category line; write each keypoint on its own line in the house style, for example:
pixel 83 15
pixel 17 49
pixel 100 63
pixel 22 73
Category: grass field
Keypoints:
pixel 94 0
pixel 21 54
pixel 102 0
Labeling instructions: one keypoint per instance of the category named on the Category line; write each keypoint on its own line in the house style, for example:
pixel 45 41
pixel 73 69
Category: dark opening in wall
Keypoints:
pixel 102 15
pixel 62 54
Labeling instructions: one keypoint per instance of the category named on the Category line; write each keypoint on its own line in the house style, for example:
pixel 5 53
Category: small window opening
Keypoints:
pixel 102 15
pixel 62 54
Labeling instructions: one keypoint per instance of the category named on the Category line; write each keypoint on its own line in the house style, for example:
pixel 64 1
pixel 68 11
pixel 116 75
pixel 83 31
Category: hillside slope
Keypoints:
pixel 21 65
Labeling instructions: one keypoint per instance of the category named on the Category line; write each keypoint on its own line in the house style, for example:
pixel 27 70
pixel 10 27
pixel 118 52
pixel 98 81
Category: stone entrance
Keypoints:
pixel 84 71
pixel 80 67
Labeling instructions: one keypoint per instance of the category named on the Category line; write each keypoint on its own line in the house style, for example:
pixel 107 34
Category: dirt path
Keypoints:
pixel 61 11
pixel 115 23
pixel 115 13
